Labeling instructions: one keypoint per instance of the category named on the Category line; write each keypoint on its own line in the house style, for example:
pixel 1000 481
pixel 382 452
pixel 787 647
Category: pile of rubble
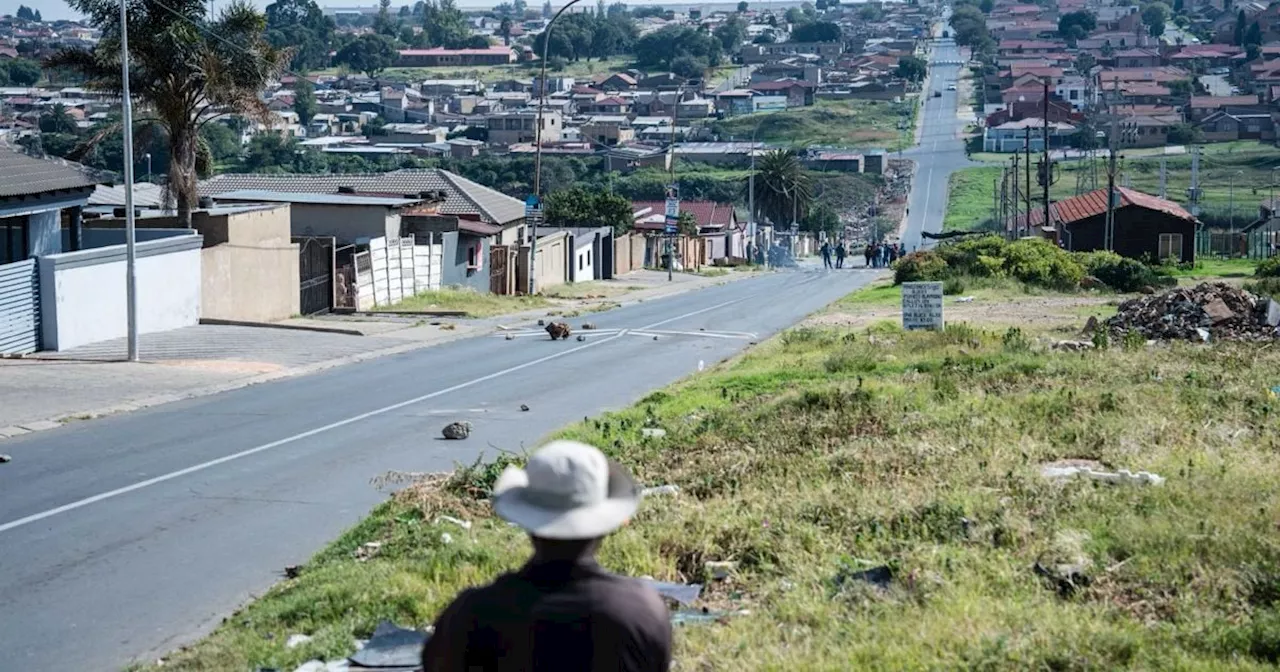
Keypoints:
pixel 1209 311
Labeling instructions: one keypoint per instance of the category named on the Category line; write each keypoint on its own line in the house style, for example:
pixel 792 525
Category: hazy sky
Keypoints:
pixel 57 9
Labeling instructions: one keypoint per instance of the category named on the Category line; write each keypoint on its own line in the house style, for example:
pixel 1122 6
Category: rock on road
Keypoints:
pixel 125 537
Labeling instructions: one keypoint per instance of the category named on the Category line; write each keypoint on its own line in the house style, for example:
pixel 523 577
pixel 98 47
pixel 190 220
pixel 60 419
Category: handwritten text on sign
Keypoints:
pixel 922 305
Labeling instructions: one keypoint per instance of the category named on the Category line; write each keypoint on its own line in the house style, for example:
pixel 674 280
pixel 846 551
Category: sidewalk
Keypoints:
pixel 49 389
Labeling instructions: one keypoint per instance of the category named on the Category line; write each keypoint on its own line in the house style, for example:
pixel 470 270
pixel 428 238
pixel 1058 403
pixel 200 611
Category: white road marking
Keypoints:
pixel 36 517
pixel 708 334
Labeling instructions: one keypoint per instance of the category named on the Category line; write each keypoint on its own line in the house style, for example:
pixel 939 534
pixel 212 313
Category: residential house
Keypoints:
pixel 1137 57
pixel 798 93
pixel 608 130
pixel 1145 226
pixel 509 128
pixel 636 157
pixel 439 56
pixel 1014 136
pixel 347 217
pixel 764 53
pixel 618 81
pixel 1230 123
pixel 609 105
pixel 1203 106
pixel 717 224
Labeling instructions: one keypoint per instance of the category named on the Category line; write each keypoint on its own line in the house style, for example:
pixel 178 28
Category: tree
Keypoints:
pixel 579 206
pixel 304 100
pixel 1154 16
pixel 821 5
pixel 870 12
pixel 1075 25
pixel 794 15
pixel 25 13
pixel 370 54
pixel 182 77
pixel 383 23
pixel 1254 34
pixel 444 25
pixel 742 6
pixel 968 25
pixel 912 68
pixel 58 120
pixel 783 188
pixel 689 67
pixel 1182 88
pixel 660 49
pixel 301 26
pixel 1252 52
pixel 24 71
pixel 822 218
pixel 731 33
pixel 223 143
pixel 765 38
pixel 1185 134
pixel 1238 36
pixel 819 31
pixel 1085 62
pixel 504 29
pixel 985 6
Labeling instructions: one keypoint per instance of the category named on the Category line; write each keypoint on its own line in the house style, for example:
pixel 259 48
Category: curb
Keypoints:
pixel 287 327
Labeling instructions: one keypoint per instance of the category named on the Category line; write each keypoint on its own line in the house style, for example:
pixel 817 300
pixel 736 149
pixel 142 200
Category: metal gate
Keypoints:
pixel 19 308
pixel 502 270
pixel 315 274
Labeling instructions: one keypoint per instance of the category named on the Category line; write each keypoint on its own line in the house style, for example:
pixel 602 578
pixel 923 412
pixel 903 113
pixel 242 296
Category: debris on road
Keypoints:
pixel 292 571
pixel 456 431
pixel 1209 311
pixel 524 408
pixel 5 458
pixel 559 330
pixel 581 338
pixel 391 646
pixel 655 338
pixel 296 640
pixel 542 323
pixel 511 337
pixel 588 326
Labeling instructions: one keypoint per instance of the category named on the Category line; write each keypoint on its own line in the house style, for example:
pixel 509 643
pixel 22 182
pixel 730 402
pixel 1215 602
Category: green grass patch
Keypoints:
pixel 825 451
pixel 1213 268
pixel 472 302
pixel 584 290
pixel 969 194
pixel 846 123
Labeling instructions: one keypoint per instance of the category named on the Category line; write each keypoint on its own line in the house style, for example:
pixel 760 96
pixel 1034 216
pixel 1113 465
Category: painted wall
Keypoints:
pixel 455 271
pixel 93 238
pixel 347 223
pixel 252 274
pixel 82 294
pixel 584 258
pixel 551 265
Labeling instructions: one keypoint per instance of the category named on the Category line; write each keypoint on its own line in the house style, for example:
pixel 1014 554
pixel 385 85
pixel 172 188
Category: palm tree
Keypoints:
pixel 783 188
pixel 185 71
pixel 57 120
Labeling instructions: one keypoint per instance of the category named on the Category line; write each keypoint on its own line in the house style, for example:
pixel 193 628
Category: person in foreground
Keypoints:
pixel 561 611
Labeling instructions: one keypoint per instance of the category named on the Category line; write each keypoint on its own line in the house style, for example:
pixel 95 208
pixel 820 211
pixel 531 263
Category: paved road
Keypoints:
pixel 125 537
pixel 941 150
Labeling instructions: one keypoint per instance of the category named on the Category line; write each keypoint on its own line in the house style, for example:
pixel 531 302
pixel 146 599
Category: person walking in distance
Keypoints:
pixel 866 253
pixel 561 611
pixel 840 252
pixel 826 254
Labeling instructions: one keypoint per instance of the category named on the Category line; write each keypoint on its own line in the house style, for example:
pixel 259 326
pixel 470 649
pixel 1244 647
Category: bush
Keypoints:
pixel 1269 268
pixel 1041 263
pixel 979 257
pixel 922 266
pixel 1265 287
pixel 952 286
pixel 1117 272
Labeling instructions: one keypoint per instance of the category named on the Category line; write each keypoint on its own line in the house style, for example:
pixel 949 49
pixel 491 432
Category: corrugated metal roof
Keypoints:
pixel 463 197
pixel 265 196
pixel 1094 203
pixel 24 175
pixel 145 195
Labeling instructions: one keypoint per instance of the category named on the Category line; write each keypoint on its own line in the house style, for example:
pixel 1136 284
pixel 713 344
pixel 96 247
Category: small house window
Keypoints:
pixel 1170 246
pixel 581 261
pixel 475 257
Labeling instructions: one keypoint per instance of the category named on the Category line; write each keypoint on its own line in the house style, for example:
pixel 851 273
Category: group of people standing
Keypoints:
pixel 877 255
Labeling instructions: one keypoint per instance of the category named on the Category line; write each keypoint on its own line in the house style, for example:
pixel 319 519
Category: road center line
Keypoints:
pixel 35 517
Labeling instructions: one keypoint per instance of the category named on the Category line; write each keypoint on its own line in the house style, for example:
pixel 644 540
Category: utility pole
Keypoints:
pixel 1108 236
pixel 1048 165
pixel 130 250
pixel 1162 177
pixel 1193 194
pixel 671 167
pixel 1015 196
pixel 1026 143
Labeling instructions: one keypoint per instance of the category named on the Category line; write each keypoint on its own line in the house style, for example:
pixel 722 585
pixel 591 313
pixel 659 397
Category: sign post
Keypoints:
pixel 671 224
pixel 922 305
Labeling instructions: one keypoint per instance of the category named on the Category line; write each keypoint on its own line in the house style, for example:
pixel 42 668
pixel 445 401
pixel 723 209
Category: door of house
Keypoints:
pixel 315 274
pixel 502 273
pixel 19 308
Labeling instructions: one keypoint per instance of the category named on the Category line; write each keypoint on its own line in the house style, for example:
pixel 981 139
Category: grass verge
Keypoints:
pixel 588 290
pixel 824 452
pixel 969 193
pixel 472 302
pixel 848 123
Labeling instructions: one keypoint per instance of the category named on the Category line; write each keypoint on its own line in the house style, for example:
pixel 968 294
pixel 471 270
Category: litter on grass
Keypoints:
pixel 391 646
pixel 661 490
pixel 683 593
pixel 1121 477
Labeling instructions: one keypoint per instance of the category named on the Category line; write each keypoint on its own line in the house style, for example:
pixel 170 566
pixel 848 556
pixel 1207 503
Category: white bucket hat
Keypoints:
pixel 568 490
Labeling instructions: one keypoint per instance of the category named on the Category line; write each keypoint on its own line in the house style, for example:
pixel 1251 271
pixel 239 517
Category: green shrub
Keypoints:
pixel 1041 263
pixel 953 286
pixel 1265 287
pixel 922 266
pixel 1119 273
pixel 1269 268
pixel 974 256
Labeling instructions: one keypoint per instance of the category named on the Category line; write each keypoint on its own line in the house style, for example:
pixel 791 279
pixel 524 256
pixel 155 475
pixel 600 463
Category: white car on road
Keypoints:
pixel 951 87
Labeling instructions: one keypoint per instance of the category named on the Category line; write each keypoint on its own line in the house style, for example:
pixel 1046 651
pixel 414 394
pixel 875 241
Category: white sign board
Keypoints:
pixel 673 208
pixel 921 305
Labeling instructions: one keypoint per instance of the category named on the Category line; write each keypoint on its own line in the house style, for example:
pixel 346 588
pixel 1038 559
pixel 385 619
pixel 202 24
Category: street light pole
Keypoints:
pixel 148 166
pixel 1231 200
pixel 131 279
pixel 537 150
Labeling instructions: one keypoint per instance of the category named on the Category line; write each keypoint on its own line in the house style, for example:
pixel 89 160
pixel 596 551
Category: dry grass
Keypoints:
pixel 829 450
pixel 473 303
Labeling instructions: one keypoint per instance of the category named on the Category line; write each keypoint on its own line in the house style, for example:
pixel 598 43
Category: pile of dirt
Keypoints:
pixel 1209 311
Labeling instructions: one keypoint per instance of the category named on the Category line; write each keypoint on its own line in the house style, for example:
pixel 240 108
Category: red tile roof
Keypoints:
pixel 1221 101
pixel 1094 203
